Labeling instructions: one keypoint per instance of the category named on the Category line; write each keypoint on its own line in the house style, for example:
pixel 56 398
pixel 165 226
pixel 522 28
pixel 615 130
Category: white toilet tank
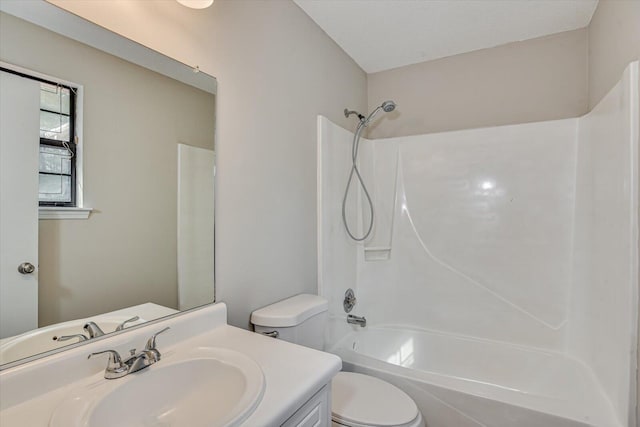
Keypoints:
pixel 300 319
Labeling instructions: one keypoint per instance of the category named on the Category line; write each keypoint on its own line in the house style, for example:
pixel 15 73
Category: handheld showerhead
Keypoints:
pixel 388 106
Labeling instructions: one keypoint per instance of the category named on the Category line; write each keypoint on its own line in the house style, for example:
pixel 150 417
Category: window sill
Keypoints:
pixel 53 212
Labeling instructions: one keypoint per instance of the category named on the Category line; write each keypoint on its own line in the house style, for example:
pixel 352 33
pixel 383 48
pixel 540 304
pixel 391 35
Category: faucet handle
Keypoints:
pixel 121 325
pixel 151 343
pixel 81 337
pixel 114 356
pixel 115 367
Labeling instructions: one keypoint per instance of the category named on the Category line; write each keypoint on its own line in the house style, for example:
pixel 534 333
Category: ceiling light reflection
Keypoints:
pixel 196 4
pixel 488 185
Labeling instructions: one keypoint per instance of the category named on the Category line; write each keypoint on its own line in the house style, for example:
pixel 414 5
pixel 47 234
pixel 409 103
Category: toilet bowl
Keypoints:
pixel 357 400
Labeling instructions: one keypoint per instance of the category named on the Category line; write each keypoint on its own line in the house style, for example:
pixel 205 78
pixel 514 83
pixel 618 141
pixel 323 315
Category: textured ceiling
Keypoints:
pixel 384 34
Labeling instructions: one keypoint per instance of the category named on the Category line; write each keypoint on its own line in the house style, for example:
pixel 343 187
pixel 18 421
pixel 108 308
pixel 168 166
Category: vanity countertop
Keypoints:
pixel 29 393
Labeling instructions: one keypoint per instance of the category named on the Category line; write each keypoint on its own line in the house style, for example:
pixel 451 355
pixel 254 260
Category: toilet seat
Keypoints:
pixel 364 401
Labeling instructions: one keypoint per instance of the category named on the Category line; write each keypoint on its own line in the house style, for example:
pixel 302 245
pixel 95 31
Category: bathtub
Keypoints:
pixel 458 381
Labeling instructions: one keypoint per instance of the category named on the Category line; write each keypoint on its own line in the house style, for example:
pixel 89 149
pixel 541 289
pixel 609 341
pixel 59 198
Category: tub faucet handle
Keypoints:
pixel 349 300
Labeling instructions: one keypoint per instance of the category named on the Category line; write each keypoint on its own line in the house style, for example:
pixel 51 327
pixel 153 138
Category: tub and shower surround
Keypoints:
pixel 500 282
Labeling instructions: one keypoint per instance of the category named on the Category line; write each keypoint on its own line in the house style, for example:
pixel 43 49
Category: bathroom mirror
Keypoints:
pixel 144 167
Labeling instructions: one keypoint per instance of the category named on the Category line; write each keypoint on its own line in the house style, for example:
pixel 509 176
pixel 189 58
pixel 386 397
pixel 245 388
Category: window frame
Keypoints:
pixel 62 210
pixel 71 146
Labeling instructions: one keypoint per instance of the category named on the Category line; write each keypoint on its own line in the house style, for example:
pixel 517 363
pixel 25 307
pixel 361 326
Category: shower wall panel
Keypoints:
pixel 478 224
pixel 482 242
pixel 602 326
pixel 337 260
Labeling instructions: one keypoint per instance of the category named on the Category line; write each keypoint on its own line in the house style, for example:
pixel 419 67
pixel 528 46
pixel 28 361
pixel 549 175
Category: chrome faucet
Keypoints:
pixel 357 320
pixel 121 325
pixel 93 330
pixel 146 357
pixel 117 368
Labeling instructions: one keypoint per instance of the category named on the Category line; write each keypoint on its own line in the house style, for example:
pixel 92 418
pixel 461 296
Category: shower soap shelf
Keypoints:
pixel 377 253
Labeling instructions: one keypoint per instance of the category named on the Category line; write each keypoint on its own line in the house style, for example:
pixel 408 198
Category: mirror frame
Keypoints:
pixel 60 21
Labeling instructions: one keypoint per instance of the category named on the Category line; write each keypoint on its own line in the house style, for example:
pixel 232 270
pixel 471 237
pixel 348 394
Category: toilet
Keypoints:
pixel 357 400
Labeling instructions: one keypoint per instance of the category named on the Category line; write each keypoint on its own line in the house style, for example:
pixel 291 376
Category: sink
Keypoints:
pixel 208 386
pixel 41 340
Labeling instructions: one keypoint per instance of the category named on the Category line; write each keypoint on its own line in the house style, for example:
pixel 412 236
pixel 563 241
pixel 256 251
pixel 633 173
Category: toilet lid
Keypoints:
pixel 365 400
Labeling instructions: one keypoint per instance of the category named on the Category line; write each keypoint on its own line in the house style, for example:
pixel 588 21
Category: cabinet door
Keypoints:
pixel 315 413
pixel 19 148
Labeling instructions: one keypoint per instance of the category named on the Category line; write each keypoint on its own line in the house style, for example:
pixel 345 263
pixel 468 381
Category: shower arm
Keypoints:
pixel 347 113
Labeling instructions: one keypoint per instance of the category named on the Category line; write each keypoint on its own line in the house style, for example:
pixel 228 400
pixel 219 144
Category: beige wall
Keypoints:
pixel 125 253
pixel 276 71
pixel 533 80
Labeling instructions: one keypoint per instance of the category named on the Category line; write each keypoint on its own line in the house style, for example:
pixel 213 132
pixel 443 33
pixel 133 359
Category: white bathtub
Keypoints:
pixel 465 382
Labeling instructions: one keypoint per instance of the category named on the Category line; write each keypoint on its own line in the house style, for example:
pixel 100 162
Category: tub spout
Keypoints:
pixel 357 320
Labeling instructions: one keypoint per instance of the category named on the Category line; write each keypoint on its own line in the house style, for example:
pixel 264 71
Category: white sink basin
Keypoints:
pixel 205 387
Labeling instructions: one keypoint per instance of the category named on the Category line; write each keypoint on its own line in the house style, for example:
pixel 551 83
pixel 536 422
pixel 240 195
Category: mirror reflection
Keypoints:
pixel 107 180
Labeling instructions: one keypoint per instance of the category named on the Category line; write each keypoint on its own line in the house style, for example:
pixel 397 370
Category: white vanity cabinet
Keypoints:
pixel 316 412
pixel 36 391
